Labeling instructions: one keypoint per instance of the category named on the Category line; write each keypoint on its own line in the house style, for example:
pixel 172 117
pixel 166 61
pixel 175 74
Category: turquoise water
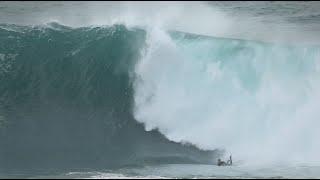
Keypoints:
pixel 122 90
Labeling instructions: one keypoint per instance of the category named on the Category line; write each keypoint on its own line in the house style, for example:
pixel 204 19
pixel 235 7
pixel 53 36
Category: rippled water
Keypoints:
pixel 177 171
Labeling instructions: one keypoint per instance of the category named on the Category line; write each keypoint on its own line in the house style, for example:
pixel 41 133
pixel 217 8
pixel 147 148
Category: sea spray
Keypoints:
pixel 250 98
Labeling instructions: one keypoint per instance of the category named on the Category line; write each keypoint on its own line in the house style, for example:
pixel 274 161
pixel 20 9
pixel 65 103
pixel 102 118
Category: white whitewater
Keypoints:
pixel 257 101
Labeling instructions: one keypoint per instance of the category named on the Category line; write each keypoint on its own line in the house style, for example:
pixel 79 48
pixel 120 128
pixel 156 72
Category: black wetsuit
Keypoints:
pixel 222 163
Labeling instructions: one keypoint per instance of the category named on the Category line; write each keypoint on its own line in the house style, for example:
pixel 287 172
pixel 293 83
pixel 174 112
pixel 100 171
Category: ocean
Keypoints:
pixel 159 89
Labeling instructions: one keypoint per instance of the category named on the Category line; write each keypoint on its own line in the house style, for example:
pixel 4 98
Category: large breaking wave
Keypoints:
pixel 76 97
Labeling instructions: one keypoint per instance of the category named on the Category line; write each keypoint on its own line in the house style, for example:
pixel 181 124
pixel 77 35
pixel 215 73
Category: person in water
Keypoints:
pixel 222 163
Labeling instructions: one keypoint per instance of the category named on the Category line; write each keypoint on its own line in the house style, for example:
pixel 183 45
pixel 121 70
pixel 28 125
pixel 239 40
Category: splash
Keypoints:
pixel 256 100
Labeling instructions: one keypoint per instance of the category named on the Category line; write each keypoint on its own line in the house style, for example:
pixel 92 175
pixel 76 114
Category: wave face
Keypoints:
pixel 66 100
pixel 83 97
pixel 258 100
